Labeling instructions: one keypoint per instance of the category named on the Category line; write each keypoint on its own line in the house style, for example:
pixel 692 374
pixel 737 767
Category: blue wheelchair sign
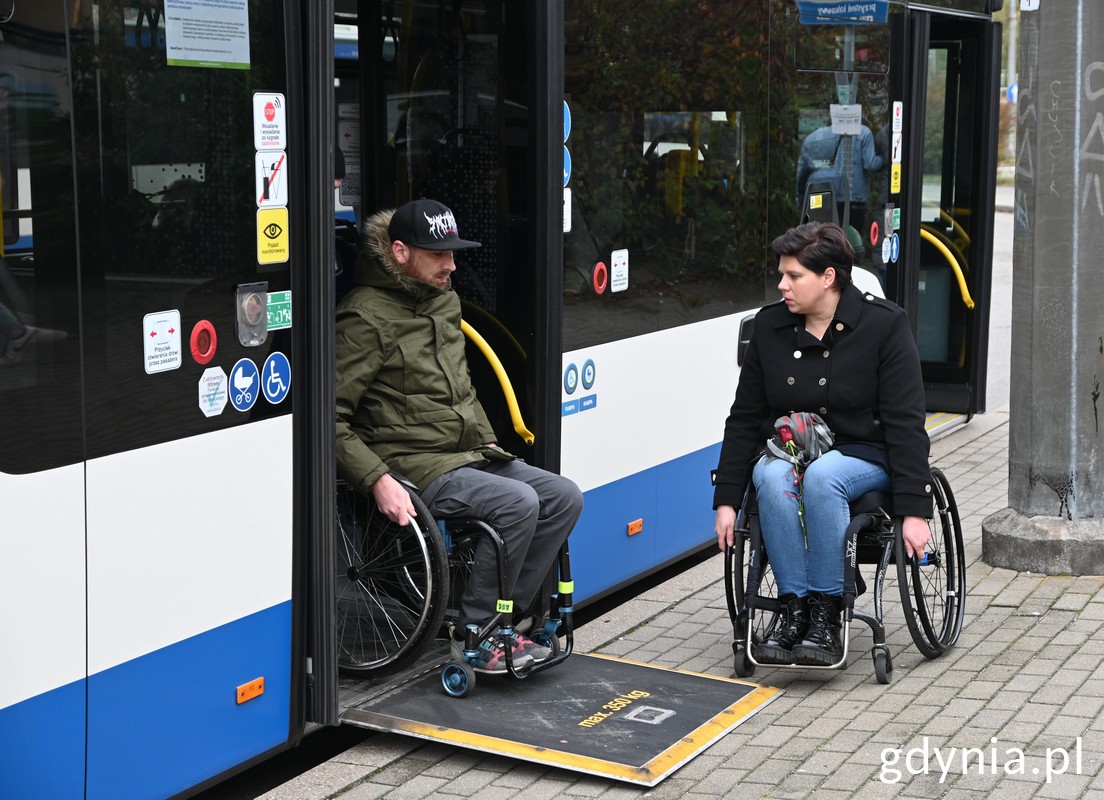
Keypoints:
pixel 276 377
pixel 244 385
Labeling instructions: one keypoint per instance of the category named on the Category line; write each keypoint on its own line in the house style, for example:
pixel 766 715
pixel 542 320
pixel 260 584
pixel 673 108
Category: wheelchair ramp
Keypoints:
pixel 595 714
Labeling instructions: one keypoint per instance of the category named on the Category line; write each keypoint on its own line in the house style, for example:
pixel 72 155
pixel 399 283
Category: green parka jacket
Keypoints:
pixel 405 401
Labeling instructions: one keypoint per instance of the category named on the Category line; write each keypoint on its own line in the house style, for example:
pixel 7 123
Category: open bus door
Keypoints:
pixel 950 152
pixel 897 124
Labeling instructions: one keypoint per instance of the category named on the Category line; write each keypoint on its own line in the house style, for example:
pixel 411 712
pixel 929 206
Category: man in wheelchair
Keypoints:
pixel 825 354
pixel 406 405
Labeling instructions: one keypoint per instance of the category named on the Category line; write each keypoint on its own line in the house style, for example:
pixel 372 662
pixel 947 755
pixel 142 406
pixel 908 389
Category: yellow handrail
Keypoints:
pixel 503 379
pixel 928 236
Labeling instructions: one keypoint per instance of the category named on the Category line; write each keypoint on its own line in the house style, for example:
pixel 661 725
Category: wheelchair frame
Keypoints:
pixel 932 588
pixel 393 587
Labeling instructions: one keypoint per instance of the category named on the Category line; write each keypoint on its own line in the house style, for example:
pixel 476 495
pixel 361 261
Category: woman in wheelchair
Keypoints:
pixel 825 353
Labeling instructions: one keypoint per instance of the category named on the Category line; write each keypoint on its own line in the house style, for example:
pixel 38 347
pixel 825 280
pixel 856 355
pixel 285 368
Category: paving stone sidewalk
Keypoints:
pixel 1024 688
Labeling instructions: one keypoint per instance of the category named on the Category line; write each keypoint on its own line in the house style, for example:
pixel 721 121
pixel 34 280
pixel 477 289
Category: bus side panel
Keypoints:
pixel 640 430
pixel 52 723
pixel 171 719
pixel 42 636
pixel 685 508
pixel 603 554
pixel 189 598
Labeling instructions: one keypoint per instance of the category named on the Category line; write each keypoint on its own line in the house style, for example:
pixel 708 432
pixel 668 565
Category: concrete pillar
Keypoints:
pixel 1055 522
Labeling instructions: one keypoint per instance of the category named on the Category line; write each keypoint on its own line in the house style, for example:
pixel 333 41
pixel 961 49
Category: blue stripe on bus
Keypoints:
pixel 51 723
pixel 674 499
pixel 169 720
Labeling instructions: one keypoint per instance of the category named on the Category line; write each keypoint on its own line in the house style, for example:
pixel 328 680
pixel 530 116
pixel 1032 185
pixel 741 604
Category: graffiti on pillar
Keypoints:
pixel 1061 485
pixel 1055 150
pixel 1095 397
pixel 1026 123
pixel 1092 148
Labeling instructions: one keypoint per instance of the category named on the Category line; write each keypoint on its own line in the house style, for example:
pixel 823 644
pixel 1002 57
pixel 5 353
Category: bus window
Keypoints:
pixel 39 392
pixel 668 169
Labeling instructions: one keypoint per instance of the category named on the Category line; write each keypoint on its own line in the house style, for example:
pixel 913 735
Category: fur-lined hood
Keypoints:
pixel 377 266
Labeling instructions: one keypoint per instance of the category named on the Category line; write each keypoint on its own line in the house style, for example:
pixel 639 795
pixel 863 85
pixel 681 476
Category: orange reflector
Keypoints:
pixel 247 691
pixel 636 526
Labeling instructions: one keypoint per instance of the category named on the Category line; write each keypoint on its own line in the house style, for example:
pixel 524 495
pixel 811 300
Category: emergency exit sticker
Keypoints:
pixel 894 178
pixel 272 235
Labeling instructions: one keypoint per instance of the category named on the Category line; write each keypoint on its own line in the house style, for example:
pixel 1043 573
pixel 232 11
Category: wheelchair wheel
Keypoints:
pixel 392 583
pixel 933 589
pixel 739 578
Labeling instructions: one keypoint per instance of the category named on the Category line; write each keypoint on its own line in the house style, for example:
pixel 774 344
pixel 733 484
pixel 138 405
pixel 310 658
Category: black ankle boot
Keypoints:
pixel 792 623
pixel 821 646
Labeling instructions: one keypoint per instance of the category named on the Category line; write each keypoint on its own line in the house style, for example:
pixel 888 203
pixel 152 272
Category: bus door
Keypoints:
pixel 949 183
pixel 445 101
pixel 43 586
pixel 152 217
pixel 896 127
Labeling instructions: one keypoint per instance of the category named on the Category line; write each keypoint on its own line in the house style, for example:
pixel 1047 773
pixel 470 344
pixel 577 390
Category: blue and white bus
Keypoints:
pixel 166 420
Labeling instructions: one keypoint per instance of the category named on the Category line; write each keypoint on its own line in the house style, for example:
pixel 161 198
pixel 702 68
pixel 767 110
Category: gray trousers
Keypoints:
pixel 532 510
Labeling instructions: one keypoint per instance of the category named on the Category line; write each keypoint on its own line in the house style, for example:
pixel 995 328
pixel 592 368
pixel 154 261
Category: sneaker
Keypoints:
pixel 538 652
pixel 492 655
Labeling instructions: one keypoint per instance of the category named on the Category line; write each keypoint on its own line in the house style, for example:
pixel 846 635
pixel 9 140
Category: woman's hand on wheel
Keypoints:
pixel 725 526
pixel 393 500
pixel 915 532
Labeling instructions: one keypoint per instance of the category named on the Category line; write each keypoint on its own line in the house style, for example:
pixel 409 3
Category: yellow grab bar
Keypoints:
pixel 928 236
pixel 503 379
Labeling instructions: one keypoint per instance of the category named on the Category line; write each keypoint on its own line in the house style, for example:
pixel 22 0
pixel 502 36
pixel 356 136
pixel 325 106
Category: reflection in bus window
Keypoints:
pixel 39 394
pixel 668 167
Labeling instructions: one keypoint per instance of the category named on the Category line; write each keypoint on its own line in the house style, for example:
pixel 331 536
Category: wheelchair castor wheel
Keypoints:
pixel 742 665
pixel 883 664
pixel 457 679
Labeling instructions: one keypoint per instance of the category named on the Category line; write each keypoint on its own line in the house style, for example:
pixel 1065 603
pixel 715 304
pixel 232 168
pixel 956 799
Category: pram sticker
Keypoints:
pixel 244 385
pixel 276 377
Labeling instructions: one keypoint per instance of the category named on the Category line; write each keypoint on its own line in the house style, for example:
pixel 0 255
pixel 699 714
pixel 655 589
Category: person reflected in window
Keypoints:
pixel 849 358
pixel 16 339
pixel 405 404
pixel 823 158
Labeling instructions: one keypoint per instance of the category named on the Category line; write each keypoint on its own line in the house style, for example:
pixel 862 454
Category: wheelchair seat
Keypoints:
pixel 932 588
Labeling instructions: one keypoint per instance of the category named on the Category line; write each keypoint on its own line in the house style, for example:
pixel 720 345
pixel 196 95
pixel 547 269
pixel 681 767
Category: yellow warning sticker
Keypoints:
pixel 895 178
pixel 816 201
pixel 272 235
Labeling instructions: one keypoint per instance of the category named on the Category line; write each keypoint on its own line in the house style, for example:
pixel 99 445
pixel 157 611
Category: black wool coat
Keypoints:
pixel 863 378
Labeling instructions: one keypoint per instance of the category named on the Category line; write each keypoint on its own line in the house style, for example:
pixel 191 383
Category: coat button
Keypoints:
pixel 823 381
pixel 839 326
pixel 927 488
pixel 826 354
pixel 870 297
pixel 790 381
pixel 823 410
pixel 797 354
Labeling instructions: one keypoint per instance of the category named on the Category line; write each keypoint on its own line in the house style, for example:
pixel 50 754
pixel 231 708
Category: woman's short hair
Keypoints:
pixel 817 246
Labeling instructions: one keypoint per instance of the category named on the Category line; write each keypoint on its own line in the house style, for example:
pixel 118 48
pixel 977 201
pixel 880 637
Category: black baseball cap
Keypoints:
pixel 427 224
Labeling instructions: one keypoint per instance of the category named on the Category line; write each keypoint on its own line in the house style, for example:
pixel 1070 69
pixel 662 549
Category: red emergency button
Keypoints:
pixel 600 277
pixel 204 342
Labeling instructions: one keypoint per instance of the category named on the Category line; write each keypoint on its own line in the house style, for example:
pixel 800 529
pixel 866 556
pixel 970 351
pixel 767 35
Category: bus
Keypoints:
pixel 175 232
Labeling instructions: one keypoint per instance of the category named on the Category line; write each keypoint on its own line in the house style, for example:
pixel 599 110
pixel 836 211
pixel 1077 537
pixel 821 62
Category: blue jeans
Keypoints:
pixel 830 483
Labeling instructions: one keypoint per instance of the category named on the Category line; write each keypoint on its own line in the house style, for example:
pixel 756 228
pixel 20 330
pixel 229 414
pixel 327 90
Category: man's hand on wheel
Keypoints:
pixel 393 500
